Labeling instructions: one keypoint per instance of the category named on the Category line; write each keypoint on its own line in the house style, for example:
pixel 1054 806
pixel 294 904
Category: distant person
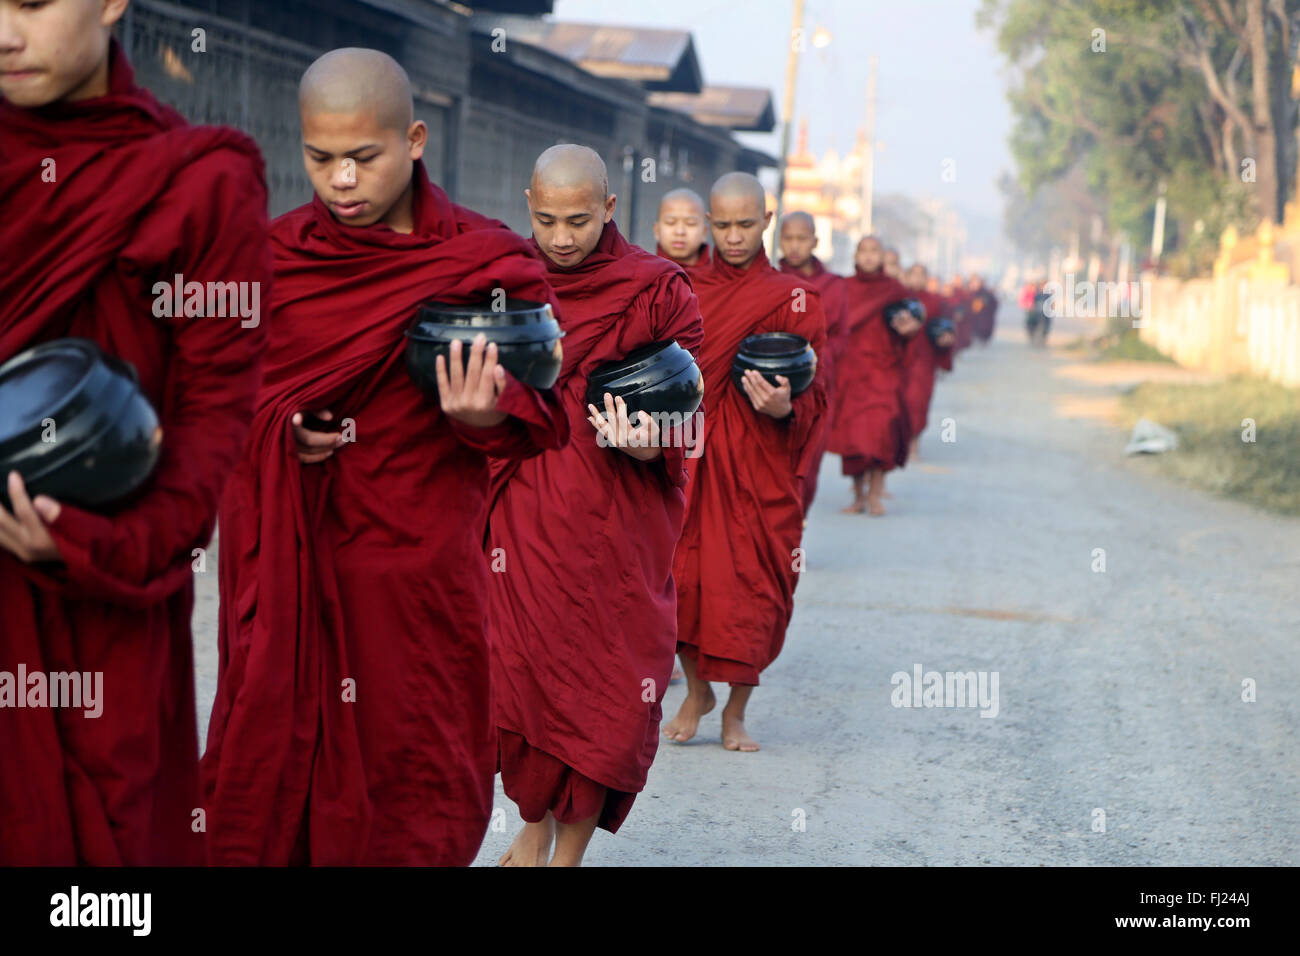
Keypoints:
pixel 984 309
pixel 922 357
pixel 1038 322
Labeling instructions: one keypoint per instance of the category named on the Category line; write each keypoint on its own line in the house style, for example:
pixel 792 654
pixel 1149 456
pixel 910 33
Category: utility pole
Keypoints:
pixel 787 116
pixel 1158 230
pixel 869 154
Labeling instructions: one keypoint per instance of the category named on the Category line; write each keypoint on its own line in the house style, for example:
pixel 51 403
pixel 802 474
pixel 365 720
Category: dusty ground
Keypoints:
pixel 1119 691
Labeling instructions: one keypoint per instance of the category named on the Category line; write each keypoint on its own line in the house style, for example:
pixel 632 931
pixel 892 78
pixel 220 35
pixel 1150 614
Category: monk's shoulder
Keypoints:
pixel 287 229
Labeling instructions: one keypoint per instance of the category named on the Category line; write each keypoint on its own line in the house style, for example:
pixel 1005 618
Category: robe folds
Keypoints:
pixel 351 722
pixel 584 608
pixel 835 307
pixel 135 196
pixel 870 428
pixel 921 359
pixel 736 563
pixel 959 305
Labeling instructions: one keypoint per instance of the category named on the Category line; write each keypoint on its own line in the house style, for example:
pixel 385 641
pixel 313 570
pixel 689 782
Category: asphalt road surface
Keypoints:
pixel 1120 736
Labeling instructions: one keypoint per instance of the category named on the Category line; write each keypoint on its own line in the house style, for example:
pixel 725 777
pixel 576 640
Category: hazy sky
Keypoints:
pixel 940 88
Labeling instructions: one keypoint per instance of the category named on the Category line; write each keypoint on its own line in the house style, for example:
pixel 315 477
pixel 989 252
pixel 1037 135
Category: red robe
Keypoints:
pixel 702 264
pixel 921 358
pixel 870 428
pixel 735 565
pixel 835 306
pixel 964 316
pixel 138 197
pixel 351 721
pixel 585 610
pixel 984 310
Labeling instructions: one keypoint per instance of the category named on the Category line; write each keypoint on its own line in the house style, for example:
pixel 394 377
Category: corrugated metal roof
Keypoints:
pixel 657 59
pixel 741 108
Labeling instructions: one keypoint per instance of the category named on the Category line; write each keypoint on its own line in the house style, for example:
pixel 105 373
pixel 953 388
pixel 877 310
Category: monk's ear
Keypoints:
pixel 767 219
pixel 114 10
pixel 417 137
pixel 609 206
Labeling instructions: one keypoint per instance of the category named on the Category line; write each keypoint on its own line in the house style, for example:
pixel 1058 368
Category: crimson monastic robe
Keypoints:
pixel 870 427
pixel 134 196
pixel 584 608
pixel 835 307
pixel 921 359
pixel 351 723
pixel 737 564
pixel 702 264
pixel 984 310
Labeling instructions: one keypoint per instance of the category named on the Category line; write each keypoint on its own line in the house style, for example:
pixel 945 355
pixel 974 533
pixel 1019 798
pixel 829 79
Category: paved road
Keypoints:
pixel 1118 691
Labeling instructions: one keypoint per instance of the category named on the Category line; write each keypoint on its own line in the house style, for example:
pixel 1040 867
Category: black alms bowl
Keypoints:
pixel 75 425
pixel 773 354
pixel 938 327
pixel 526 335
pixel 913 306
pixel 659 378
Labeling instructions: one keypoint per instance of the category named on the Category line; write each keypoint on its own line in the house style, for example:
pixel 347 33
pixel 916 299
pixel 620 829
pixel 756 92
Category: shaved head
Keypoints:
pixel 798 218
pixel 355 80
pixel 798 239
pixel 683 195
pixel 870 254
pixel 569 202
pixel 570 166
pixel 360 137
pixel 739 186
pixel 738 216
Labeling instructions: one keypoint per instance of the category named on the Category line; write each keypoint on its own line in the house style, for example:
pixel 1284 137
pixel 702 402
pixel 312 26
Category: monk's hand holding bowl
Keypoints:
pixel 468 391
pixel 24 533
pixel 766 398
pixel 315 444
pixel 640 441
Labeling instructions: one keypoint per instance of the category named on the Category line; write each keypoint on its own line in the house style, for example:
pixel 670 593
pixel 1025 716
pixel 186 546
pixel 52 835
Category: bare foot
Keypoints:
pixel 687 722
pixel 859 505
pixel 875 507
pixel 886 494
pixel 678 675
pixel 532 845
pixel 734 736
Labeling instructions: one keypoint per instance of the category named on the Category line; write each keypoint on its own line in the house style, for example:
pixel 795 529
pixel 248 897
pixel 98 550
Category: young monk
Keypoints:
pixel 580 658
pixel 921 358
pixel 736 563
pixel 107 192
pixel 798 239
pixel 870 428
pixel 681 230
pixel 351 720
pixel 959 308
pixel 893 266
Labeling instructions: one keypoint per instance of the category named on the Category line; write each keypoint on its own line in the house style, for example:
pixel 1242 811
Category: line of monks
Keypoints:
pixel 493 581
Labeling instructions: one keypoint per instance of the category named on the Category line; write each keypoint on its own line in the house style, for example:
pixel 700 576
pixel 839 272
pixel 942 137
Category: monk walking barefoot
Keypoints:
pixel 923 356
pixel 583 613
pixel 351 723
pixel 107 192
pixel 531 845
pixel 869 430
pixel 736 565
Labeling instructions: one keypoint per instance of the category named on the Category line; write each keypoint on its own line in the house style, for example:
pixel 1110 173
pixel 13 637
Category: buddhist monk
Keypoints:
pixel 922 356
pixel 107 194
pixel 580 658
pixel 681 230
pixel 984 309
pixel 738 561
pixel 959 308
pixel 870 427
pixel 351 722
pixel 893 265
pixel 798 239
